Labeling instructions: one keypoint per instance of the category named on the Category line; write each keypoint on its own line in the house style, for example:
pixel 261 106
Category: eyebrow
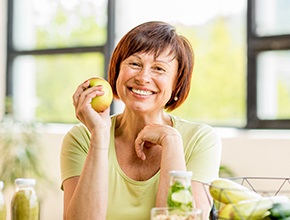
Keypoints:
pixel 156 59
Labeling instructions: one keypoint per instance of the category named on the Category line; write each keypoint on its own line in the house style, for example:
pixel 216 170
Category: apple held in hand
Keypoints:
pixel 100 103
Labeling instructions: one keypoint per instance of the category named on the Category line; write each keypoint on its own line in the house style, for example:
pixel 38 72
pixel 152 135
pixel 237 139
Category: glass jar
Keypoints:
pixel 2 203
pixel 24 204
pixel 180 196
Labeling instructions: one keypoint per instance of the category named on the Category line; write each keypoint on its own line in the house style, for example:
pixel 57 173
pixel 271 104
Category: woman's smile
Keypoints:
pixel 142 92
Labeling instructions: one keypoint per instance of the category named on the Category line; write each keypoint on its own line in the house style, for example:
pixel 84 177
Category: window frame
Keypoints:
pixel 255 45
pixel 12 53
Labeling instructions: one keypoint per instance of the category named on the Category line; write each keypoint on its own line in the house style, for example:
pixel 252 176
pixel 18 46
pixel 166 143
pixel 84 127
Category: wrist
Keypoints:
pixel 171 138
pixel 100 140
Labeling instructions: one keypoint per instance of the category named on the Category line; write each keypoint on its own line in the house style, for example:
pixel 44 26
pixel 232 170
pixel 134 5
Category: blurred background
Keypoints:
pixel 241 82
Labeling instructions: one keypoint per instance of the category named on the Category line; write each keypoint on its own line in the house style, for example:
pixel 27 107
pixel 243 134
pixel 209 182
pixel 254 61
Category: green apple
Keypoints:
pixel 100 103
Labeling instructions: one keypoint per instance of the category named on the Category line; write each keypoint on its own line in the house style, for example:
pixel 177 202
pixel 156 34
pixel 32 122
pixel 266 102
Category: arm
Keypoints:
pixel 209 150
pixel 172 154
pixel 173 159
pixel 202 201
pixel 85 196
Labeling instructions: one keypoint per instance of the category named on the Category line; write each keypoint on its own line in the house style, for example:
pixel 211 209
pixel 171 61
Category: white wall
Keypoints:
pixel 264 153
pixel 2 53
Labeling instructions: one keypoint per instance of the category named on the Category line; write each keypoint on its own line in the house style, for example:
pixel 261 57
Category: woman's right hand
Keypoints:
pixel 84 112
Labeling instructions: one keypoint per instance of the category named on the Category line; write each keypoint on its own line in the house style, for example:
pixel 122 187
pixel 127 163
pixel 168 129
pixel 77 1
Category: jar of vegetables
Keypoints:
pixel 2 203
pixel 24 204
pixel 180 196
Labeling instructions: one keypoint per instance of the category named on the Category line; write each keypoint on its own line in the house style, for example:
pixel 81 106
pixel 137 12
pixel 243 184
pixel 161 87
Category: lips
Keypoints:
pixel 142 92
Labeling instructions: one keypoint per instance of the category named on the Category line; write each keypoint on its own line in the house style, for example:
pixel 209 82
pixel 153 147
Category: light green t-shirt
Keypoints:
pixel 129 199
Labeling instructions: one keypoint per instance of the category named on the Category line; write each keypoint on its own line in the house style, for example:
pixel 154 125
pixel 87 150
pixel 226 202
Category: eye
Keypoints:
pixel 158 69
pixel 134 64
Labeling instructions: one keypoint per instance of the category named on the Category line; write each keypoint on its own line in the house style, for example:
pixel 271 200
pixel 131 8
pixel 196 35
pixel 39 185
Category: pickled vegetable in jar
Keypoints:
pixel 180 196
pixel 2 203
pixel 24 204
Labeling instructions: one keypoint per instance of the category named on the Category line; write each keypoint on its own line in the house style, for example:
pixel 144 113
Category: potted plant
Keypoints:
pixel 20 150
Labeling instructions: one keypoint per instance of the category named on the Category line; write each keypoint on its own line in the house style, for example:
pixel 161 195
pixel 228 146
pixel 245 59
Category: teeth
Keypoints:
pixel 141 92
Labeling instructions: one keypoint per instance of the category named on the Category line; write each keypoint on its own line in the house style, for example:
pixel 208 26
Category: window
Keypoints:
pixel 52 47
pixel 241 74
pixel 268 64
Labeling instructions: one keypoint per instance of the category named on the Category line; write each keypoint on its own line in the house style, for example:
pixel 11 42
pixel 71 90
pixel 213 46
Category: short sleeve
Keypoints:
pixel 203 154
pixel 74 150
pixel 202 149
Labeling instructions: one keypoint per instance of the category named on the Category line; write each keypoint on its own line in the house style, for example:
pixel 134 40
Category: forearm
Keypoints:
pixel 90 197
pixel 201 197
pixel 172 159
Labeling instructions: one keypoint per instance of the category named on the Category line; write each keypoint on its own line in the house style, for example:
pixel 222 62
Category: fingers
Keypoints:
pixel 84 94
pixel 82 100
pixel 154 135
pixel 80 89
pixel 146 138
pixel 139 146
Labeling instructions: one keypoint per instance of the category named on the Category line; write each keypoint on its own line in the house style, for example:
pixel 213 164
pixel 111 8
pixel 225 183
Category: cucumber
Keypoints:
pixel 280 210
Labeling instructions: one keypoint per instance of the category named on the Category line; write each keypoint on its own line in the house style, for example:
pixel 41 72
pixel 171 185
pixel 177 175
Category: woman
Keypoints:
pixel 117 167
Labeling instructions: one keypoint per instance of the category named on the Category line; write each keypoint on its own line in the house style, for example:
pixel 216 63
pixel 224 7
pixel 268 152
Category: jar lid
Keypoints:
pixel 180 173
pixel 1 185
pixel 25 182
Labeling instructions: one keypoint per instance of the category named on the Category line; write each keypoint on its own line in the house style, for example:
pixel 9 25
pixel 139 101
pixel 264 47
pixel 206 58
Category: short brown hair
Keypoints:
pixel 156 37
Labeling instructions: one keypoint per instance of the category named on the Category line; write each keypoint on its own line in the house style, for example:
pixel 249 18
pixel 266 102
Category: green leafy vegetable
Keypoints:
pixel 180 197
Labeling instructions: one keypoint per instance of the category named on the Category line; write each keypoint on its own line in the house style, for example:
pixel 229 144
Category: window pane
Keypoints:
pixel 218 87
pixel 272 17
pixel 44 85
pixel 274 85
pixel 42 24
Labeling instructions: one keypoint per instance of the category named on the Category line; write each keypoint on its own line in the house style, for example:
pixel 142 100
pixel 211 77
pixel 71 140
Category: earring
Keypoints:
pixel 175 98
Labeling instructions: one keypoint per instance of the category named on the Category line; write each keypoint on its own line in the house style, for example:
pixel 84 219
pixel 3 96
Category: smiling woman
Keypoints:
pixel 142 42
pixel 129 155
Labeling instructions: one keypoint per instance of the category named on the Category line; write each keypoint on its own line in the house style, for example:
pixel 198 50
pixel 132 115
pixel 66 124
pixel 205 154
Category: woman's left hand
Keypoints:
pixel 155 134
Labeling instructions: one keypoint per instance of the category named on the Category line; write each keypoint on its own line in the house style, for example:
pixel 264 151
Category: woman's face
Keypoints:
pixel 145 83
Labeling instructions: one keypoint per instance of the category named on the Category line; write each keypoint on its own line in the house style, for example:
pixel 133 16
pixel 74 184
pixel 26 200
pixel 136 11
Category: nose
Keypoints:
pixel 143 76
